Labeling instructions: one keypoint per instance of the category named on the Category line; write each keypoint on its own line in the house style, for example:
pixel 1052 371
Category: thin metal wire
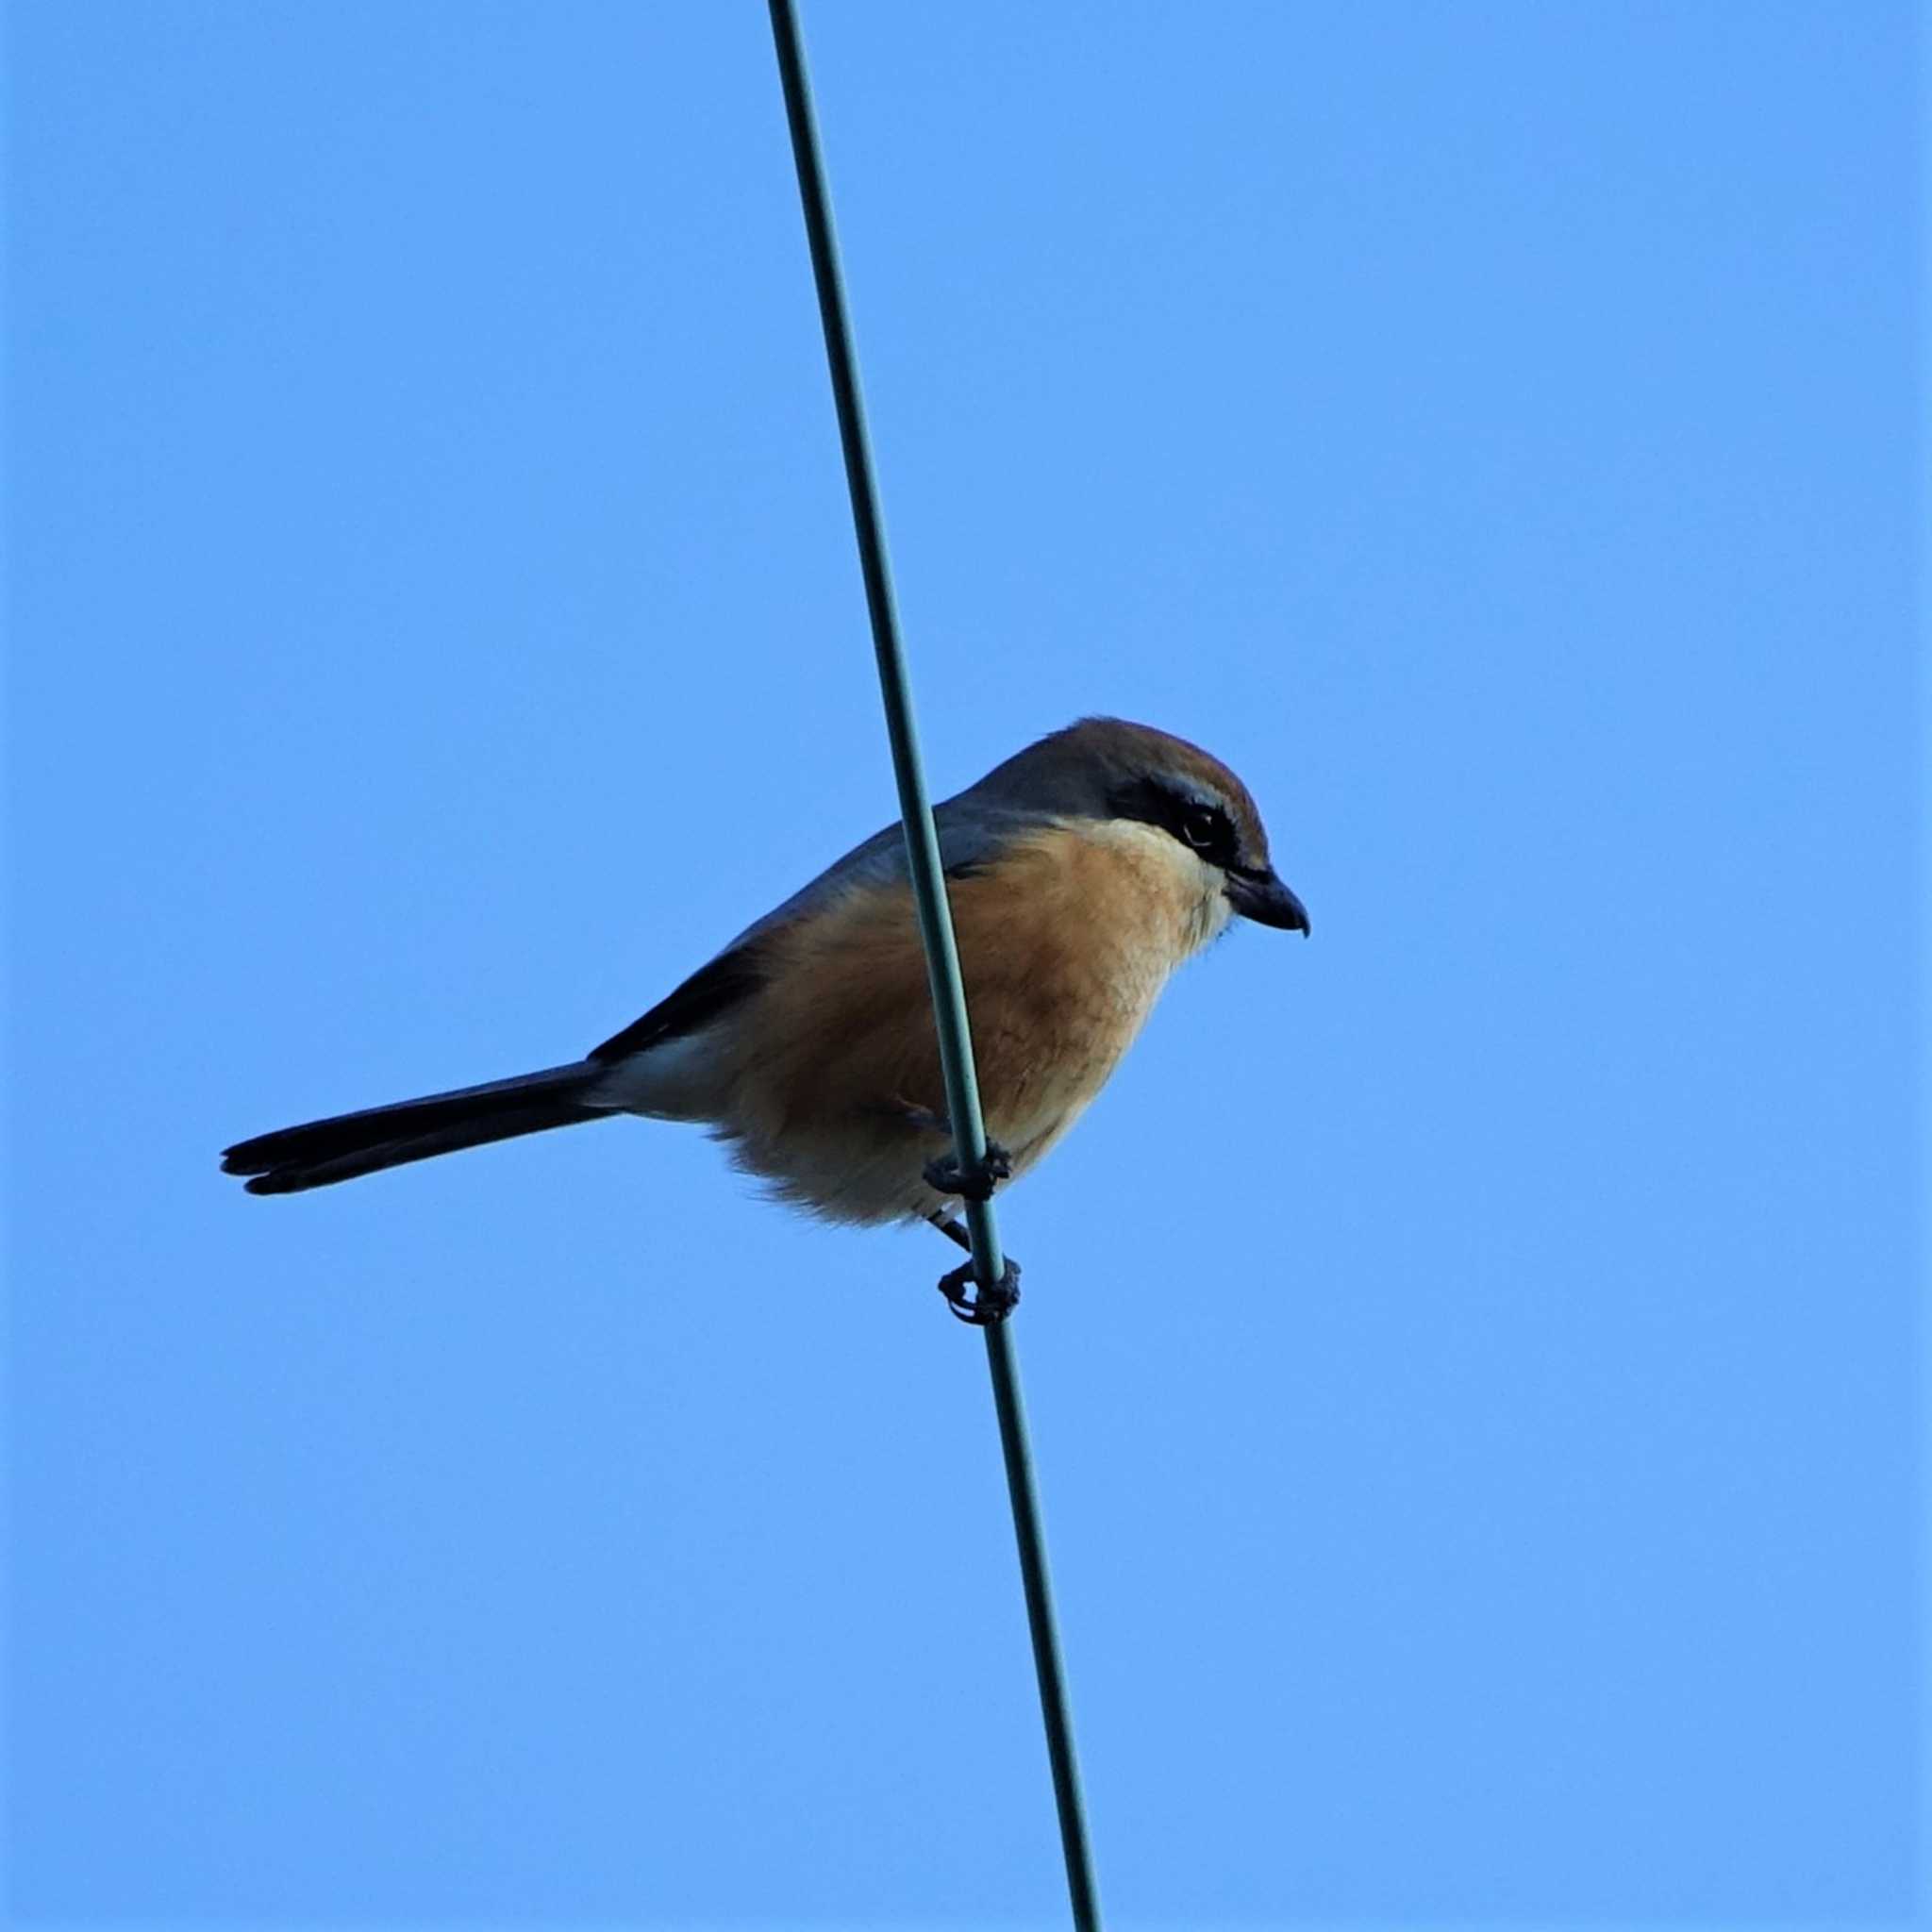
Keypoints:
pixel 941 956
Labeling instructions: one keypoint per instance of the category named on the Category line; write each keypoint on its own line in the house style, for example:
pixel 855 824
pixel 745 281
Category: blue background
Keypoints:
pixel 1471 1352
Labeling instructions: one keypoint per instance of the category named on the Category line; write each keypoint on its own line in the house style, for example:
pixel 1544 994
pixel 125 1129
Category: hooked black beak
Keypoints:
pixel 1262 897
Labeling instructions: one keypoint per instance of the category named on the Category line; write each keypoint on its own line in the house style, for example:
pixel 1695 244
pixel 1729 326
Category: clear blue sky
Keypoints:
pixel 1471 1352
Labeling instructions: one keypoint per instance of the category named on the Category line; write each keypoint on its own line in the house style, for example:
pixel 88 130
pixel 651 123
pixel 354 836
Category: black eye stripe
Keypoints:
pixel 1202 826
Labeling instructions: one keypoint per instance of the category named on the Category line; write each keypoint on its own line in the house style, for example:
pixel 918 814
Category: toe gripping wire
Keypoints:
pixel 970 1300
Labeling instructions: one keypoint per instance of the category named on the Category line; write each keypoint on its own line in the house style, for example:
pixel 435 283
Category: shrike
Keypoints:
pixel 1080 872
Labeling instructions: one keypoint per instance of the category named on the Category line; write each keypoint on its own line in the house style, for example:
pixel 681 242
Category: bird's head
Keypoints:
pixel 1106 768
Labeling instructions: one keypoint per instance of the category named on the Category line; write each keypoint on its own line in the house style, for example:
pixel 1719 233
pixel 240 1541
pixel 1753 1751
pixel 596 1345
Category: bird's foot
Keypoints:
pixel 990 1304
pixel 949 1175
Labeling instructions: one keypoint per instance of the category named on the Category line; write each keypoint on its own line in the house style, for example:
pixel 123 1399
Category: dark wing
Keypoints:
pixel 709 992
pixel 968 843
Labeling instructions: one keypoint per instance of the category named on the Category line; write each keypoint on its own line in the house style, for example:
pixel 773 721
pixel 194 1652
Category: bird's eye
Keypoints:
pixel 1200 826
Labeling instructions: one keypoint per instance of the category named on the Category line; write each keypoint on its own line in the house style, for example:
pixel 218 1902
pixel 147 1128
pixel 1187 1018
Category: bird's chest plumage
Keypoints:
pixel 1065 942
pixel 1065 946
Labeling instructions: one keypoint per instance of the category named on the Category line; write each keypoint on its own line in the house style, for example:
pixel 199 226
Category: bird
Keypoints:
pixel 1080 874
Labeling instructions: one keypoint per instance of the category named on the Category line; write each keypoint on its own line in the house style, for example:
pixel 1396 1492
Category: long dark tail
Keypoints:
pixel 321 1153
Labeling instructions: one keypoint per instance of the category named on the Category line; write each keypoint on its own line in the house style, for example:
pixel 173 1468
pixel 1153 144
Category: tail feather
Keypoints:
pixel 320 1153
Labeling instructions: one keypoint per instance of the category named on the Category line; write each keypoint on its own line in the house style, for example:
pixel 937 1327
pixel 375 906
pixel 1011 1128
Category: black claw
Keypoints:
pixel 990 1304
pixel 946 1175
